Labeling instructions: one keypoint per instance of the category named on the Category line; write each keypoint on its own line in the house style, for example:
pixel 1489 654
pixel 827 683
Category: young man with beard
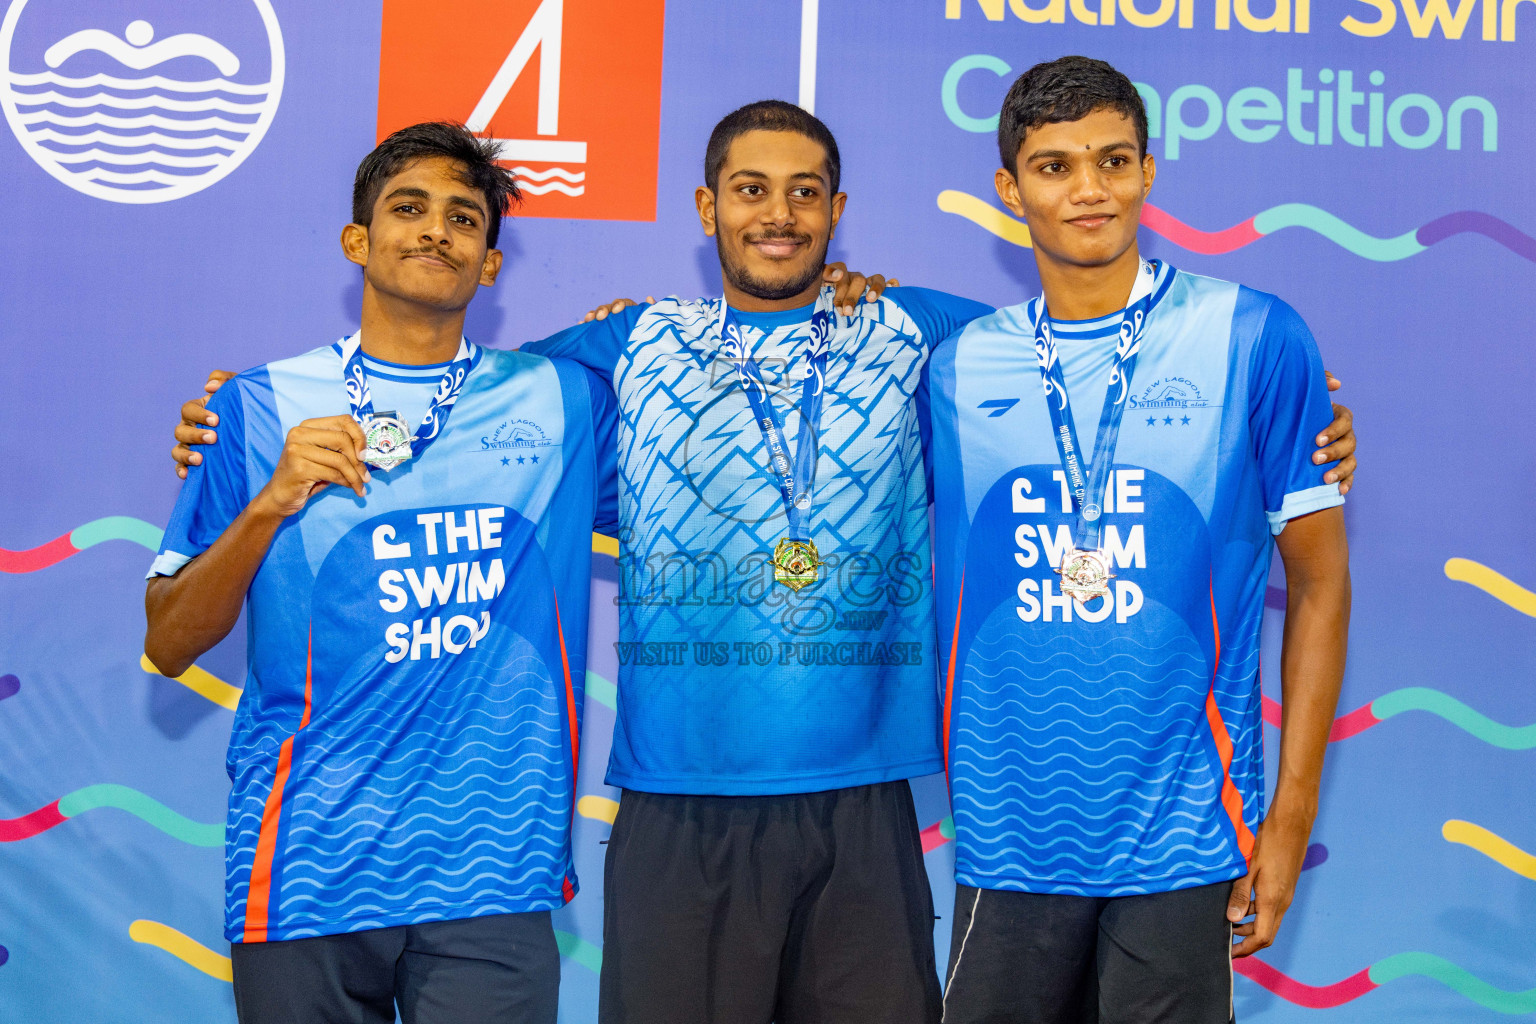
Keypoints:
pixel 404 754
pixel 1100 608
pixel 765 863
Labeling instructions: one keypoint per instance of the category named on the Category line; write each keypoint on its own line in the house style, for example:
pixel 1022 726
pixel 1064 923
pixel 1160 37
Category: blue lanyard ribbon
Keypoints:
pixel 795 472
pixel 1087 484
pixel 360 398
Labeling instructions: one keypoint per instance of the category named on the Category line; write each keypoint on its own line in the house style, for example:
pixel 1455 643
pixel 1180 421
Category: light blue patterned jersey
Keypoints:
pixel 730 683
pixel 404 749
pixel 1116 748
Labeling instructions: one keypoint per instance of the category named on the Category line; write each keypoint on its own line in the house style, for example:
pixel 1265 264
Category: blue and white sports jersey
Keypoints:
pixel 1116 748
pixel 730 683
pixel 405 746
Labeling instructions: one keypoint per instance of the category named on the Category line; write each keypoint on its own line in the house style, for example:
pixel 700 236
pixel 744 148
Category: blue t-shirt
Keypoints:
pixel 730 683
pixel 1116 748
pixel 405 746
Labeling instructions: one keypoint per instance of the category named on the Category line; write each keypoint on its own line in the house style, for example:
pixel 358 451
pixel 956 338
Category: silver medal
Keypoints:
pixel 1085 575
pixel 388 440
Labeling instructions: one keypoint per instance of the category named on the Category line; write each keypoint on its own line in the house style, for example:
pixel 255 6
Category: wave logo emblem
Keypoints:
pixel 166 108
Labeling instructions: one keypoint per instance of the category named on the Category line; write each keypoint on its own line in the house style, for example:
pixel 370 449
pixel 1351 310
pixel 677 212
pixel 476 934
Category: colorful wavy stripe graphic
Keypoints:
pixel 1421 698
pixel 201 682
pixel 145 535
pixel 1490 845
pixel 1500 588
pixel 97 531
pixel 1400 965
pixel 1278 218
pixel 598 808
pixel 123 798
pixel 183 948
pixel 937 834
pixel 602 691
pixel 579 950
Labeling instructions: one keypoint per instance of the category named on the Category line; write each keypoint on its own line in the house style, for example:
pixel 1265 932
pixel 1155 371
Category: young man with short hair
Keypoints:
pixel 765 863
pixel 1100 608
pixel 404 753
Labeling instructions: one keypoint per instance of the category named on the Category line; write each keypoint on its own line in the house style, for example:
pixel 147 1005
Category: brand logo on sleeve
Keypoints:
pixel 572 90
pixel 140 109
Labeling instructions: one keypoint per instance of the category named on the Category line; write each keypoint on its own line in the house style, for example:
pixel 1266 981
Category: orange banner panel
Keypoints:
pixel 572 87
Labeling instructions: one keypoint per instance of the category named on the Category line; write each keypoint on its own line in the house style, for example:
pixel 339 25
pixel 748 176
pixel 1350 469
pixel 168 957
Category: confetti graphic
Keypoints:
pixel 1278 218
pixel 123 798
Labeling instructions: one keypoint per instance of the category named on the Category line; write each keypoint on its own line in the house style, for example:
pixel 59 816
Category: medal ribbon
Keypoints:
pixel 796 473
pixel 1089 484
pixel 360 398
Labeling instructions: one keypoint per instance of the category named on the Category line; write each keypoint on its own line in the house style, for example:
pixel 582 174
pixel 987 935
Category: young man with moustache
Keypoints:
pixel 765 862
pixel 404 752
pixel 1100 608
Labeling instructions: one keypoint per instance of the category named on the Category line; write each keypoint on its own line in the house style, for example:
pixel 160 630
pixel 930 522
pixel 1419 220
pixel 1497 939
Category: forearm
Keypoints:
pixel 1311 662
pixel 193 610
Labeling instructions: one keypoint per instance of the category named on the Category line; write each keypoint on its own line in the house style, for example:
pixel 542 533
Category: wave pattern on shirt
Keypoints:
pixel 1105 788
pixel 469 777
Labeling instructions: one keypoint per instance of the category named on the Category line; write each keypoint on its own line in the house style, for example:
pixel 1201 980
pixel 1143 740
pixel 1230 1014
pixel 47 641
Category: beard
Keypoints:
pixel 740 277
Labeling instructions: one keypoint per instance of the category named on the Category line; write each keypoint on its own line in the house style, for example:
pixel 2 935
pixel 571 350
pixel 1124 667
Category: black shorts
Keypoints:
pixel 803 909
pixel 499 969
pixel 1032 958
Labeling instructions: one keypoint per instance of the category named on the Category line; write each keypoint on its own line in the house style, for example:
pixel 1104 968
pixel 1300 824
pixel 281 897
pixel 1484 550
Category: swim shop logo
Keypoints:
pixel 515 434
pixel 145 106
pixel 1170 393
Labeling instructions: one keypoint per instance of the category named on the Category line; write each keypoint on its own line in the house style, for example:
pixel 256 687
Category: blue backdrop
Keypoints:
pixel 176 182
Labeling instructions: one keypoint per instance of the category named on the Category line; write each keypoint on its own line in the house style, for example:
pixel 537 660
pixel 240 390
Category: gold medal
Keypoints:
pixel 796 563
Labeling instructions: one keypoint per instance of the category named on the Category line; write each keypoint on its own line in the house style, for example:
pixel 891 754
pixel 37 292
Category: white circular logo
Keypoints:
pixel 164 107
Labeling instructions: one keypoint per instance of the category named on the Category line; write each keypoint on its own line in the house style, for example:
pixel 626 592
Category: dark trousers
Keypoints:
pixel 503 968
pixel 804 909
pixel 1033 958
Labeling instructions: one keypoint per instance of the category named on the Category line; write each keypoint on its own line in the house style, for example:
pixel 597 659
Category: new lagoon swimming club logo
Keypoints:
pixel 145 109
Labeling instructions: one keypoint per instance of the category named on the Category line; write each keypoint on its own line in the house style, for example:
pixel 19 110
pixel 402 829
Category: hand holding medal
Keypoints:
pixel 316 454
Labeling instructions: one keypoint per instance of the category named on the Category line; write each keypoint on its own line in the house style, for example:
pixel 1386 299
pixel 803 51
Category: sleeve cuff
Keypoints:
pixel 168 563
pixel 1300 503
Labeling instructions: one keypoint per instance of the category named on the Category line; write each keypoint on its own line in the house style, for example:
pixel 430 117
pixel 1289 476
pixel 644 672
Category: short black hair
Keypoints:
pixel 768 116
pixel 438 138
pixel 1065 89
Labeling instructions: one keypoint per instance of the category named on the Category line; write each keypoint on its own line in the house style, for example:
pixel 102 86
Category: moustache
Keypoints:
pixel 432 250
pixel 778 236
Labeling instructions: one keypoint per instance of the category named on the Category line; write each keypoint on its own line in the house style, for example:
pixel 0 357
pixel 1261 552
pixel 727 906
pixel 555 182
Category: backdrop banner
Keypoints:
pixel 177 175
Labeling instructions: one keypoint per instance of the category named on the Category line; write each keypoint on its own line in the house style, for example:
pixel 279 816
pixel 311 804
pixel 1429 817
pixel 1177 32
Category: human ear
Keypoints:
pixel 354 244
pixel 704 199
pixel 1008 191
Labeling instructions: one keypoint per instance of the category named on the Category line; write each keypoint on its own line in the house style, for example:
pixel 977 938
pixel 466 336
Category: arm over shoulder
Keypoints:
pixel 215 491
pixel 1288 406
pixel 596 344
pixel 937 314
